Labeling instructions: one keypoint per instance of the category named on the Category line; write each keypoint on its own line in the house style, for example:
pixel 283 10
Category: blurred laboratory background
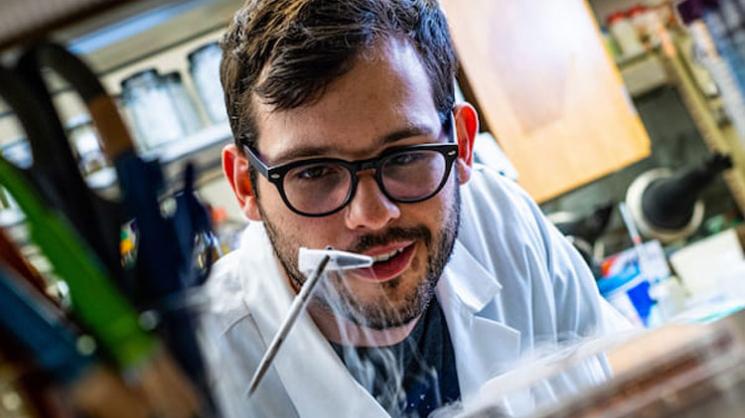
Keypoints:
pixel 623 119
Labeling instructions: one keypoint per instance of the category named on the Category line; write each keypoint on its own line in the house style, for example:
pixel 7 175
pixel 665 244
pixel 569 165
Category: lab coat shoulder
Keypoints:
pixel 232 341
pixel 224 290
pixel 548 293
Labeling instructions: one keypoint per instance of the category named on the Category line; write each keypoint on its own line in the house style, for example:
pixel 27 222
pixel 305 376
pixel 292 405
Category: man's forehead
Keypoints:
pixel 386 90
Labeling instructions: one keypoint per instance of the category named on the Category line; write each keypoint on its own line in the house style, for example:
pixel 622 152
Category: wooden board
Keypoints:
pixel 548 90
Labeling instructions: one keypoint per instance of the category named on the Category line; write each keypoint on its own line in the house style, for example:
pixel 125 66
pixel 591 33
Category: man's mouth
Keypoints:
pixel 390 261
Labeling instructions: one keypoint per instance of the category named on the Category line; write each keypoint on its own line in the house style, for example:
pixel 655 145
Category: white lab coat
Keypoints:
pixel 513 284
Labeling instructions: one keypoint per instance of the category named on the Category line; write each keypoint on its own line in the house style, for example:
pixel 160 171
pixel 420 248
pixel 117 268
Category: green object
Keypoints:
pixel 4 201
pixel 95 300
pixel 611 45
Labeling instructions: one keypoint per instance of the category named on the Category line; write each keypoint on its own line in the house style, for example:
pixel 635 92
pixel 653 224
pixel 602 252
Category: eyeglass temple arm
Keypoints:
pixel 255 161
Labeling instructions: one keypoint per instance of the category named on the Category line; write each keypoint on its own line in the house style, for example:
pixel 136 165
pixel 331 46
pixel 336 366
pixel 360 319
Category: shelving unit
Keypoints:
pixel 105 40
pixel 719 137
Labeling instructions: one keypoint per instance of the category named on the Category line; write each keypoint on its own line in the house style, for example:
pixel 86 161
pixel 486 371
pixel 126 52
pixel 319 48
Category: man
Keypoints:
pixel 347 135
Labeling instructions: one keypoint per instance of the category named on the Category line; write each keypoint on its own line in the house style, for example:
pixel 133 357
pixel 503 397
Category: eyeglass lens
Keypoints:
pixel 317 188
pixel 324 187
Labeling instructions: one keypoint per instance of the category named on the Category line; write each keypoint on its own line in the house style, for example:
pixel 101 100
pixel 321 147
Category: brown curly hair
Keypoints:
pixel 288 51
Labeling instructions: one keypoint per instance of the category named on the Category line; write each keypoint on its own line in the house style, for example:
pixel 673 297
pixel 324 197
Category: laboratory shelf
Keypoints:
pixel 719 137
pixel 203 149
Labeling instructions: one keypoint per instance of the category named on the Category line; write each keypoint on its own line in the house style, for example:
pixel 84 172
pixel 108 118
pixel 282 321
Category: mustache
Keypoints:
pixel 366 242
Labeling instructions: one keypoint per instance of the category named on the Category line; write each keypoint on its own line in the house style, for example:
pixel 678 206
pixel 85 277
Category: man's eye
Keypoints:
pixel 314 173
pixel 405 159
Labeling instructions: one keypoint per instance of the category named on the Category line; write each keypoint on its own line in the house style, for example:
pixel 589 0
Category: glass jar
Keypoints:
pixel 153 111
pixel 184 104
pixel 204 66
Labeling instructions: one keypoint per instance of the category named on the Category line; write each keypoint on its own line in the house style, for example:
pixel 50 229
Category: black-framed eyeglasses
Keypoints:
pixel 323 186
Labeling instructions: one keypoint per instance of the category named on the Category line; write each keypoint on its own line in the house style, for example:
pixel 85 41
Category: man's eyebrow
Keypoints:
pixel 407 132
pixel 322 150
pixel 300 153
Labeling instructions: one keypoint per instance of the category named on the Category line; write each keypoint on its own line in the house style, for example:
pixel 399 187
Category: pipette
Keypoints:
pixel 317 262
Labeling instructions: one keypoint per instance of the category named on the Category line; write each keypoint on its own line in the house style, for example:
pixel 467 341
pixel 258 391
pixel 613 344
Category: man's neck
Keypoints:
pixel 344 332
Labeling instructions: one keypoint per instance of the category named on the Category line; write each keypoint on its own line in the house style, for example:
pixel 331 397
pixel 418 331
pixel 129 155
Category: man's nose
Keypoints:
pixel 370 209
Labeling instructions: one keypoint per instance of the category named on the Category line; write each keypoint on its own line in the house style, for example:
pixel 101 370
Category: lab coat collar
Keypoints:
pixel 484 344
pixel 471 282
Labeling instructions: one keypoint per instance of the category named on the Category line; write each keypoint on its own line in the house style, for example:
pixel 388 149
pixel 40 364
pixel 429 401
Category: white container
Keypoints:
pixel 626 36
pixel 707 265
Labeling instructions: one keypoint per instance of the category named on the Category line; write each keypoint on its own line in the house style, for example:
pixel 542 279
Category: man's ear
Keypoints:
pixel 235 167
pixel 466 129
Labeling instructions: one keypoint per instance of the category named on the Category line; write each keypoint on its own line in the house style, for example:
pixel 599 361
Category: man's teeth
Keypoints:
pixel 388 256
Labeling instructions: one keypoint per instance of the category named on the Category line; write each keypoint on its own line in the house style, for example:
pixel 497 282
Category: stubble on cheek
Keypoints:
pixel 283 249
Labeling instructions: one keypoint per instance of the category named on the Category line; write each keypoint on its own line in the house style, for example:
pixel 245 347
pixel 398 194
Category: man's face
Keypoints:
pixel 384 101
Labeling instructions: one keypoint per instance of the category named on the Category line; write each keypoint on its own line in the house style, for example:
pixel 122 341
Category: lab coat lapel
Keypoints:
pixel 483 344
pixel 314 377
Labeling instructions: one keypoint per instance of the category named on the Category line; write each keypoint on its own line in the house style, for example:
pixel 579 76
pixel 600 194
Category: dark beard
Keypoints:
pixel 335 297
